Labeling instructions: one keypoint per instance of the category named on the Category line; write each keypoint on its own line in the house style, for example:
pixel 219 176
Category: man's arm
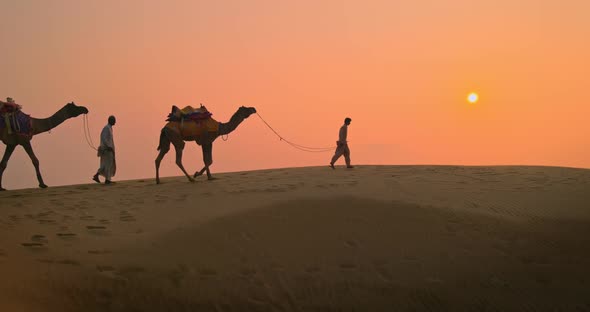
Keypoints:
pixel 343 134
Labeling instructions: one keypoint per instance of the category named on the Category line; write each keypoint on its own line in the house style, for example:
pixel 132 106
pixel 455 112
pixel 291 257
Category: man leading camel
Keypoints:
pixel 106 152
pixel 342 145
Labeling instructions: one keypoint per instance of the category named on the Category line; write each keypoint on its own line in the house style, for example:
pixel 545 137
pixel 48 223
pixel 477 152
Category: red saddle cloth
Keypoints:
pixel 7 107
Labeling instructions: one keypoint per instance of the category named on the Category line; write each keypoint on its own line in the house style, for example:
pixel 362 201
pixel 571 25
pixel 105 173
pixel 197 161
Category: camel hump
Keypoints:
pixel 188 113
pixel 187 110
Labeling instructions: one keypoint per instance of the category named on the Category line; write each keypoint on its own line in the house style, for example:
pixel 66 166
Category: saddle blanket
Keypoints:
pixel 192 129
pixel 17 122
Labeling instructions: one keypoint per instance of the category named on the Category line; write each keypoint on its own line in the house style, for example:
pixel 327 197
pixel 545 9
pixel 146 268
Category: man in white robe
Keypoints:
pixel 106 152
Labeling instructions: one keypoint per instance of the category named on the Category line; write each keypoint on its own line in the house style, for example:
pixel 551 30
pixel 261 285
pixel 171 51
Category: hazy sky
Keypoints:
pixel 400 69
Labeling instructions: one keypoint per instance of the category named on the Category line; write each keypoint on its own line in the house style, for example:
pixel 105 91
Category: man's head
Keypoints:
pixel 9 100
pixel 112 120
pixel 347 121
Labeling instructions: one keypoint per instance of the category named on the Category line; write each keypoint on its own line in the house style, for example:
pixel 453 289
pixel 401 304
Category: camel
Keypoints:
pixel 70 110
pixel 172 133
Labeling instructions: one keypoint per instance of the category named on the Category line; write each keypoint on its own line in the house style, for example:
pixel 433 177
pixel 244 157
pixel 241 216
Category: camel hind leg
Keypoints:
pixel 179 147
pixel 167 137
pixel 163 147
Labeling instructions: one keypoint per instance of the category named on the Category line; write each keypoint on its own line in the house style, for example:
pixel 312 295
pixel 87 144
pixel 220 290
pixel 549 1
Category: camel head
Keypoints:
pixel 75 110
pixel 246 111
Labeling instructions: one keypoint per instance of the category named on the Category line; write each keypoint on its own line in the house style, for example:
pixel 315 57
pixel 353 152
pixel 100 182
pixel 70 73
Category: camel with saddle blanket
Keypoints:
pixel 18 128
pixel 195 124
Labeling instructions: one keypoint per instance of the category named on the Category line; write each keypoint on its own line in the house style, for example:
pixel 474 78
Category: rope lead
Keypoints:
pixel 297 146
pixel 87 134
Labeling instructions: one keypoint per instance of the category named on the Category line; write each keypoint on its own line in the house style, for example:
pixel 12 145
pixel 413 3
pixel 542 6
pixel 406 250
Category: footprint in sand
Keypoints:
pixel 129 271
pixel 66 235
pixel 105 268
pixel 46 260
pixel 347 266
pixel 125 216
pixel 96 227
pixel 56 202
pixel 248 272
pixel 38 238
pixel 246 236
pixel 428 300
pixel 351 243
pixel 207 272
pixel 14 219
pixel 68 262
pixel 45 214
pixel 99 252
pixel 66 218
pixel 276 267
pixel 410 258
pixel 384 274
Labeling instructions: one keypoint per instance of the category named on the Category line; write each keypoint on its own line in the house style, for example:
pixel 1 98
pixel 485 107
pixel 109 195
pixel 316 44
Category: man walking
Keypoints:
pixel 342 145
pixel 106 152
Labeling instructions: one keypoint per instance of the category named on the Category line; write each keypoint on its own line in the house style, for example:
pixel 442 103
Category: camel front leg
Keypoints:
pixel 164 147
pixel 208 158
pixel 29 149
pixel 158 161
pixel 200 172
pixel 179 149
pixel 7 153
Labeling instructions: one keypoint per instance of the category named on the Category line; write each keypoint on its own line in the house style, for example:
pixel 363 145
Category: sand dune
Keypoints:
pixel 374 238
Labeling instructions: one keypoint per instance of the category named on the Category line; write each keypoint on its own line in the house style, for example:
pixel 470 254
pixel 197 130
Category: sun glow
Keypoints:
pixel 472 97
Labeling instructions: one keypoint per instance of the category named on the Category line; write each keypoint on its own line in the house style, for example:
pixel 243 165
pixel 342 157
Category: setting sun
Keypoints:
pixel 472 97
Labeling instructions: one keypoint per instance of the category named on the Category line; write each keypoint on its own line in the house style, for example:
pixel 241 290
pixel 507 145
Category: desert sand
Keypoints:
pixel 373 238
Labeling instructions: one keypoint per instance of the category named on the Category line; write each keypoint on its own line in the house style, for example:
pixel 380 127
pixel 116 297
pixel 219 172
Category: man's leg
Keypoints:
pixel 337 154
pixel 347 157
pixel 108 167
pixel 95 177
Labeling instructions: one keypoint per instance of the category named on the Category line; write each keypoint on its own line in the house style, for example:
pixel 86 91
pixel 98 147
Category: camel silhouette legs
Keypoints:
pixel 207 159
pixel 166 138
pixel 29 149
pixel 7 153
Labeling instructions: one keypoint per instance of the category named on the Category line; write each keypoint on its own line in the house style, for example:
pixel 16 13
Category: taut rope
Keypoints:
pixel 297 146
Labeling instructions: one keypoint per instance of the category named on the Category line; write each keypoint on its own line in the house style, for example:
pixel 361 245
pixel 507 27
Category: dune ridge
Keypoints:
pixel 375 238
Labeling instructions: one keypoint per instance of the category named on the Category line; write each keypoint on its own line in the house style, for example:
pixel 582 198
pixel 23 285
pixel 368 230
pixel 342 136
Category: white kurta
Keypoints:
pixel 108 164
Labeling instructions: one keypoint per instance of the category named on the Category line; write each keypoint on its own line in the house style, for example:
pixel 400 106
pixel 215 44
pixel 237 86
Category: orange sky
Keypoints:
pixel 400 69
